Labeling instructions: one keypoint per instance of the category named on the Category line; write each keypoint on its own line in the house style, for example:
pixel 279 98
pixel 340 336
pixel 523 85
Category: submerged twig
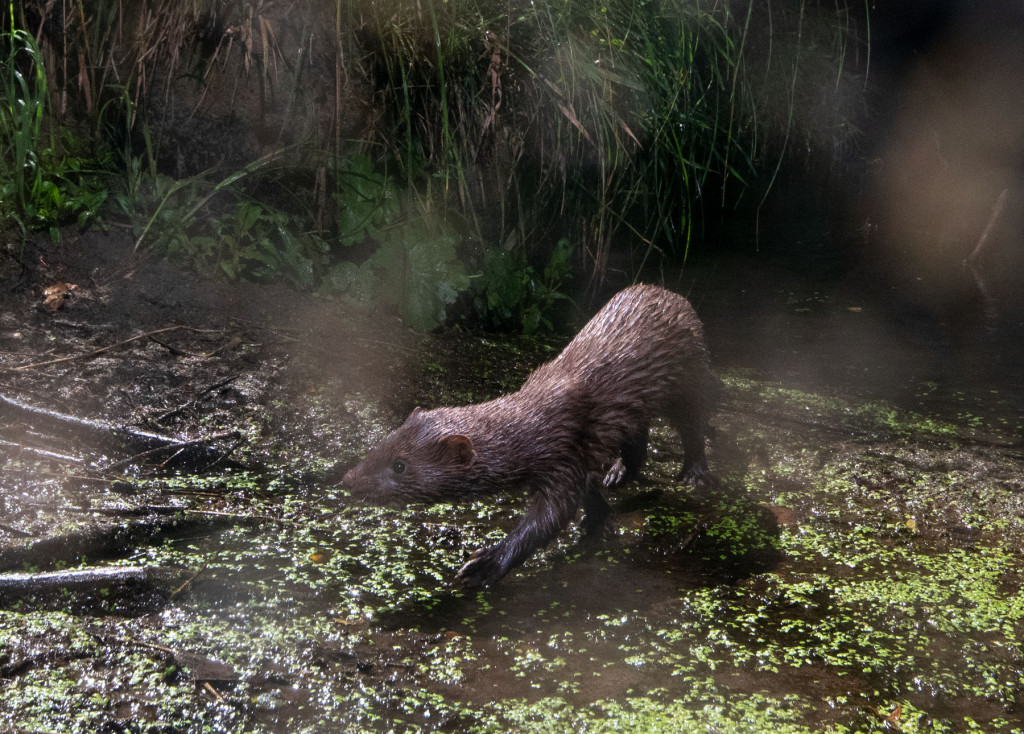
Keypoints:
pixel 187 582
pixel 153 645
pixel 997 211
pixel 101 350
pixel 43 452
pixel 194 401
pixel 201 355
pixel 177 447
pixel 207 685
pixel 16 531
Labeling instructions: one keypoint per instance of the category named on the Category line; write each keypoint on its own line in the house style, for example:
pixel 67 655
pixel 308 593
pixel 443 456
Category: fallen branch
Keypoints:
pixel 165 510
pixel 101 350
pixel 97 541
pixel 240 516
pixel 43 452
pixel 147 510
pixel 16 531
pixel 177 447
pixel 138 590
pixel 91 429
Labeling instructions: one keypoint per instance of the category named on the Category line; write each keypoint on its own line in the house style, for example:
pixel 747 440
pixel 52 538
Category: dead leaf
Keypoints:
pixel 55 295
pixel 630 133
pixel 202 668
pixel 570 114
pixel 892 721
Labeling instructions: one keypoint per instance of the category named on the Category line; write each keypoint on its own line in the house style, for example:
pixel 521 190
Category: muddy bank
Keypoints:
pixel 139 402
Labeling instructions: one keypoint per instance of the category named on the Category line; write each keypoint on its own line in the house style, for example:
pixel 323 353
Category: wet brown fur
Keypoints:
pixel 578 423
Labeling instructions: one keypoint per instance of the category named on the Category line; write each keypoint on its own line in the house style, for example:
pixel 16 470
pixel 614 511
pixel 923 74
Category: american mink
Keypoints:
pixel 579 422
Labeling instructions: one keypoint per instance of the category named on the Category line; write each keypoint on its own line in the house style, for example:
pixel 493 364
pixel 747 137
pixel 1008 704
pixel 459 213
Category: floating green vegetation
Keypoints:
pixel 657 713
pixel 866 579
pixel 834 412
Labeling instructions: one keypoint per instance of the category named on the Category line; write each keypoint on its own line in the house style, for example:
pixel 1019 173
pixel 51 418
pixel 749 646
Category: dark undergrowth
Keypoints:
pixel 420 154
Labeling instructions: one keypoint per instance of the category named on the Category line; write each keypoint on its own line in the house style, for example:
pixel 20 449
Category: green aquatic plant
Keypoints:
pixel 414 267
pixel 510 292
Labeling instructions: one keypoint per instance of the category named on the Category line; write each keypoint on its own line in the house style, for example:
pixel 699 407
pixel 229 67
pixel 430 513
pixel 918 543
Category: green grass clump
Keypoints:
pixel 621 113
pixel 45 180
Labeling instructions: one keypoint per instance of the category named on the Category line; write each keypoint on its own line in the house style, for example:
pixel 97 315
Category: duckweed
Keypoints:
pixel 859 570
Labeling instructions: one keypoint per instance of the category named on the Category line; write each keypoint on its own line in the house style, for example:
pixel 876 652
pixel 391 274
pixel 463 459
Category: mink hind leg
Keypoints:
pixel 690 417
pixel 597 513
pixel 552 508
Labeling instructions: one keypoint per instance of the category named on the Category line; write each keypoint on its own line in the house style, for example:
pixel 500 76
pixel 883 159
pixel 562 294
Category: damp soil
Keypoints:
pixel 175 555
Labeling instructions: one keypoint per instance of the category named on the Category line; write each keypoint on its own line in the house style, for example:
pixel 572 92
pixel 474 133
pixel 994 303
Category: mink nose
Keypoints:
pixel 335 478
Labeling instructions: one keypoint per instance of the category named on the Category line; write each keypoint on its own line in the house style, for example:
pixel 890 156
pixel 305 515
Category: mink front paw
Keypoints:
pixel 616 475
pixel 483 568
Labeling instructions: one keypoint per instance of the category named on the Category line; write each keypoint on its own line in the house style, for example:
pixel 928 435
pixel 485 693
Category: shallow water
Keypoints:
pixel 858 570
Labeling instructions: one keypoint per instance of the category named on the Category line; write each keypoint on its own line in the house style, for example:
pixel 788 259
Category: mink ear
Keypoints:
pixel 459 448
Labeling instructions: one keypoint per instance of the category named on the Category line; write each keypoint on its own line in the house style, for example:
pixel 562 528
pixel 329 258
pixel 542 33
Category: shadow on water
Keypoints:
pixel 667 541
pixel 939 344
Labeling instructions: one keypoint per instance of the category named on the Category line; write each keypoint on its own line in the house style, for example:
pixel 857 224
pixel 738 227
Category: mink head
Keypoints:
pixel 418 462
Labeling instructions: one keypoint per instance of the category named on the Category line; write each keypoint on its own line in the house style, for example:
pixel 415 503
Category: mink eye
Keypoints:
pixel 398 466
